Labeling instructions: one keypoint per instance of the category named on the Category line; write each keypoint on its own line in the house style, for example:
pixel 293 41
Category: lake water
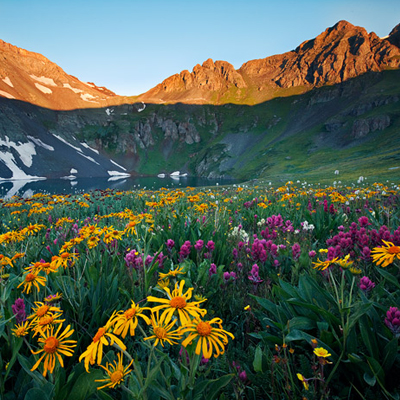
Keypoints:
pixel 54 186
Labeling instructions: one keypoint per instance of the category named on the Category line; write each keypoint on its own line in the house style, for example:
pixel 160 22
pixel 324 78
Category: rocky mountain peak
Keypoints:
pixel 32 78
pixel 341 52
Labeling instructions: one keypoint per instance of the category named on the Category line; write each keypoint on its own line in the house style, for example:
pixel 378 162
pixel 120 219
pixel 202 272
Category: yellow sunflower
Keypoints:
pixel 46 322
pixel 162 330
pixel 41 310
pixel 177 271
pixel 177 301
pixel 21 329
pixel 116 373
pixel 103 337
pixel 322 265
pixel 54 345
pixel 385 255
pixel 32 279
pixel 209 338
pixel 128 320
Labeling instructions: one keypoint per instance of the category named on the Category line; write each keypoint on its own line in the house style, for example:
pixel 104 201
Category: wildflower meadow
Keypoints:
pixel 236 292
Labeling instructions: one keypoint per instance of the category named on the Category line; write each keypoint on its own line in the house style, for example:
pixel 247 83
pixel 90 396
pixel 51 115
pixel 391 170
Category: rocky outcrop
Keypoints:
pixel 362 127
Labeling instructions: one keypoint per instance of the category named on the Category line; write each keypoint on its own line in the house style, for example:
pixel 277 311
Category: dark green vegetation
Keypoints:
pixel 352 127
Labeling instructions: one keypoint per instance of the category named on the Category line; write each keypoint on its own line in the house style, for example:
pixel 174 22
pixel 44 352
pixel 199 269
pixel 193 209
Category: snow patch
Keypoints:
pixel 88 147
pixel 116 173
pixel 74 183
pixel 141 109
pixel 69 144
pixel 119 166
pixel 43 89
pixel 75 90
pixel 38 142
pixel 88 97
pixel 5 94
pixel 25 150
pixel 43 79
pixel 109 111
pixel 116 178
pixel 394 168
pixel 161 175
pixel 69 177
pixel 9 160
pixel 7 81
pixel 73 171
pixel 89 84
pixel 176 173
pixel 89 158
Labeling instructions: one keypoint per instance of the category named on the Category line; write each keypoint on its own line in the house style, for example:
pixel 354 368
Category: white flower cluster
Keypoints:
pixel 239 233
pixel 307 226
pixel 261 223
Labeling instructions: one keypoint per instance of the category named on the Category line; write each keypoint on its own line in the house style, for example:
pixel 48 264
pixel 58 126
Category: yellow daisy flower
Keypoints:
pixel 385 255
pixel 322 265
pixel 21 329
pixel 42 310
pixel 116 373
pixel 128 320
pixel 54 346
pixel 177 271
pixel 209 338
pixel 32 279
pixel 102 338
pixel 162 330
pixel 177 301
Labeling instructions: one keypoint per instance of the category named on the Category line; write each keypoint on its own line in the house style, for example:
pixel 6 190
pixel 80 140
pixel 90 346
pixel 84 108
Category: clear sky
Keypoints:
pixel 130 46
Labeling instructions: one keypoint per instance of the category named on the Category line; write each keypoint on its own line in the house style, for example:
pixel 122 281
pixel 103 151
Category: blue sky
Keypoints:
pixel 130 46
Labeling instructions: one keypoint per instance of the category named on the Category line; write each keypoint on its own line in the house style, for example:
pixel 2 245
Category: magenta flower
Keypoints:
pixel 392 320
pixel 366 285
pixel 18 309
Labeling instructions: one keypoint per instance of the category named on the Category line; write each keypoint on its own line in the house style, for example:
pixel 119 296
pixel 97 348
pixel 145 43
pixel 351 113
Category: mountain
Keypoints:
pixel 32 78
pixel 331 104
pixel 342 52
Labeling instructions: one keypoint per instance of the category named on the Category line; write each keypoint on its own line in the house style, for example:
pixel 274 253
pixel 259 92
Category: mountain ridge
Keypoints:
pixel 341 52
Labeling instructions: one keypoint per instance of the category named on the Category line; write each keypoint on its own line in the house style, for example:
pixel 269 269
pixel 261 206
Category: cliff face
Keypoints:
pixel 342 52
pixel 32 78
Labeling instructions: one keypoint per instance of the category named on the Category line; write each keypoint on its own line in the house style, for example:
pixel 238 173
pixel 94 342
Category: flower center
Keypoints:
pixel 30 277
pixel 116 376
pixel 42 310
pixel 130 313
pixel 394 250
pixel 46 320
pixel 51 345
pixel 203 328
pixel 161 333
pixel 178 302
pixel 99 334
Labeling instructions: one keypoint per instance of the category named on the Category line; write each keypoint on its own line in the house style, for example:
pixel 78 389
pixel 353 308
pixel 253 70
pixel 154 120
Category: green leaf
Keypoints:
pixel 390 354
pixel 257 362
pixel 36 394
pixel 27 368
pixel 216 385
pixel 370 379
pixel 85 385
pixel 389 277
pixel 302 323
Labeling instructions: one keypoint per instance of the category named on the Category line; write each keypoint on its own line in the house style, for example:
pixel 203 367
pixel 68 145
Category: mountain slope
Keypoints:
pixel 32 78
pixel 342 52
pixel 343 115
